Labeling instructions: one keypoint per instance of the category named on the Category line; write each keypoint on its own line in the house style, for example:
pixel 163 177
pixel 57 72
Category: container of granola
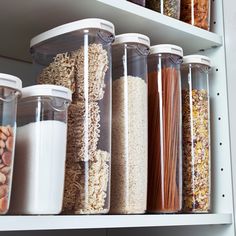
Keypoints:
pixel 77 55
pixel 10 91
pixel 196 134
pixel 196 12
pixel 169 8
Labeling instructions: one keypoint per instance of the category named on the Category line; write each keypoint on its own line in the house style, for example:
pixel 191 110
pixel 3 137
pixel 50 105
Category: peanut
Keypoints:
pixel 6 157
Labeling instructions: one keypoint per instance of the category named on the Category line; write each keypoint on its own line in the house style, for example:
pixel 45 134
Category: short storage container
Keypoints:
pixel 164 129
pixel 10 91
pixel 169 8
pixel 196 134
pixel 196 12
pixel 40 150
pixel 77 55
pixel 129 124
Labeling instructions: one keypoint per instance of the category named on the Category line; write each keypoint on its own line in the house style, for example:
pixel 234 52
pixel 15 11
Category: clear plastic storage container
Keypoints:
pixel 169 8
pixel 78 56
pixel 39 170
pixel 196 134
pixel 138 2
pixel 10 91
pixel 196 12
pixel 129 124
pixel 164 129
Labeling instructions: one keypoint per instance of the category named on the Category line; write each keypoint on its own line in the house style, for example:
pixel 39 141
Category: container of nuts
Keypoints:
pixel 10 91
pixel 196 134
pixel 77 55
pixel 169 8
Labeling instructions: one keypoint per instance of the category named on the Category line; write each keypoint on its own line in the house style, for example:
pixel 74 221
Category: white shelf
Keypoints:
pixel 26 19
pixel 12 223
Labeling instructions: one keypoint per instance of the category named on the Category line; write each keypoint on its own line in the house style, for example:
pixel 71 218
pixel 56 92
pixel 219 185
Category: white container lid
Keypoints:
pixel 10 81
pixel 166 48
pixel 73 26
pixel 132 38
pixel 47 90
pixel 197 59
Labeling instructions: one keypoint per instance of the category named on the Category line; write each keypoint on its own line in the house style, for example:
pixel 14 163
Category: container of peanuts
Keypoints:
pixel 10 91
pixel 77 55
pixel 164 129
pixel 196 12
pixel 129 124
pixel 196 134
pixel 40 150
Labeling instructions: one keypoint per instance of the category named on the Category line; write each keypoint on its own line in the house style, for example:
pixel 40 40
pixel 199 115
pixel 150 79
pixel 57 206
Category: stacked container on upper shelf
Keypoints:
pixel 10 91
pixel 78 56
pixel 164 129
pixel 129 124
pixel 196 12
pixel 169 8
pixel 196 134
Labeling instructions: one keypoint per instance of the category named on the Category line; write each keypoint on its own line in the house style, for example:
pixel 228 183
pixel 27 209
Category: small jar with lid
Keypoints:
pixel 129 124
pixel 10 92
pixel 196 12
pixel 169 8
pixel 77 55
pixel 196 134
pixel 164 129
pixel 40 150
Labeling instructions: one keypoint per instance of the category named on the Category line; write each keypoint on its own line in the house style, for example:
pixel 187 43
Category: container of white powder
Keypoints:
pixel 38 179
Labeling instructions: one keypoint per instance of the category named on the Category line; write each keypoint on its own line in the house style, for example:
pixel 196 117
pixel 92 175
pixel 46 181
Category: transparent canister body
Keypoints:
pixel 196 135
pixel 40 151
pixel 164 130
pixel 196 12
pixel 10 91
pixel 129 124
pixel 169 8
pixel 78 56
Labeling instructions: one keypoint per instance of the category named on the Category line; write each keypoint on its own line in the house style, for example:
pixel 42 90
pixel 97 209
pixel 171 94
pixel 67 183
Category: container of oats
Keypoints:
pixel 196 12
pixel 196 134
pixel 164 129
pixel 169 8
pixel 129 124
pixel 77 55
pixel 10 91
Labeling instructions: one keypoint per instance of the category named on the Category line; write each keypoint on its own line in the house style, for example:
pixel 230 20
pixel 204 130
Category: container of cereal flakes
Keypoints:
pixel 129 124
pixel 196 134
pixel 77 55
pixel 10 91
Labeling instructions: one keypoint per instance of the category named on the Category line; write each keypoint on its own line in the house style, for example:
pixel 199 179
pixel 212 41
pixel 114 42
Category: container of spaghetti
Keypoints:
pixel 196 134
pixel 164 129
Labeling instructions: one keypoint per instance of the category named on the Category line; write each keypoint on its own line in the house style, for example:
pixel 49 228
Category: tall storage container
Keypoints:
pixel 164 129
pixel 129 124
pixel 169 8
pixel 10 91
pixel 196 12
pixel 196 134
pixel 78 56
pixel 39 170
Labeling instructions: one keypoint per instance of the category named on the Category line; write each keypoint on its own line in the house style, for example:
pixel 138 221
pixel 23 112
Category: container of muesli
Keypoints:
pixel 196 134
pixel 77 55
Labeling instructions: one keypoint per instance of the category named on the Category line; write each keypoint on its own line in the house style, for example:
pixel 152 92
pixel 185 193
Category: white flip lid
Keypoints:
pixel 132 38
pixel 94 23
pixel 197 59
pixel 47 90
pixel 10 81
pixel 166 48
